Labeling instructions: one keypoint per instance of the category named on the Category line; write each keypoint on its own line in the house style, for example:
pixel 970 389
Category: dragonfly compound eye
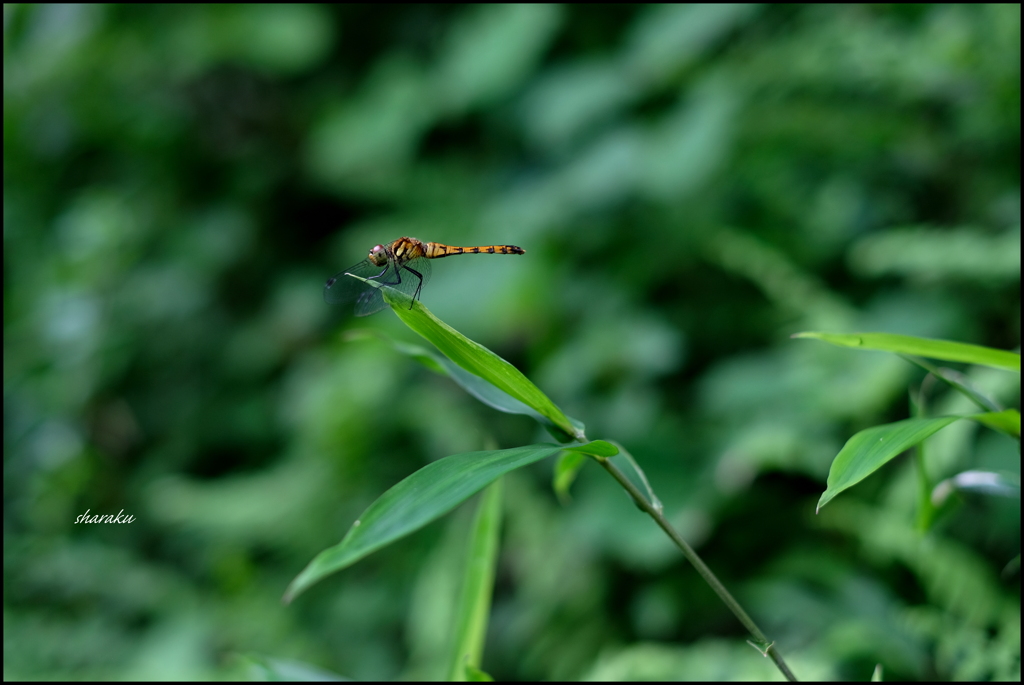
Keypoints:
pixel 378 255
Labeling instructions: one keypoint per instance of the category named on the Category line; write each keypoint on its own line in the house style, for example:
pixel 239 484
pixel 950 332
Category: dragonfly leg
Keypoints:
pixel 383 271
pixel 419 287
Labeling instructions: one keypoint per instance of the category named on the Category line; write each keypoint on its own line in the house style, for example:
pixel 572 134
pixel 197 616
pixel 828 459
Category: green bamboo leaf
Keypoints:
pixel 477 586
pixel 567 467
pixel 595 448
pixel 1007 421
pixel 923 347
pixel 957 381
pixel 637 476
pixel 424 496
pixel 572 460
pixel 474 385
pixel 870 449
pixel 478 360
pixel 479 388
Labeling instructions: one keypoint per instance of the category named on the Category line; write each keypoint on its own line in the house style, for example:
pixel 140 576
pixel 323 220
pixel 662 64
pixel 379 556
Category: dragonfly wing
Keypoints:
pixel 341 288
pixel 407 280
pixel 369 302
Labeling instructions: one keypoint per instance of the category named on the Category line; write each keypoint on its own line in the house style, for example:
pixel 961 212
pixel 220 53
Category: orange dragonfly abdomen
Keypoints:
pixel 437 250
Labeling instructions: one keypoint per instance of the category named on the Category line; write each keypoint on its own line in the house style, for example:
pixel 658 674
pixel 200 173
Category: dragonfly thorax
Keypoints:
pixel 379 255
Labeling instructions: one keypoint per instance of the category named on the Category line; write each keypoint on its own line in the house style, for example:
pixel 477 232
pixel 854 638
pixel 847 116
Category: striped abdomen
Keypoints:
pixel 437 250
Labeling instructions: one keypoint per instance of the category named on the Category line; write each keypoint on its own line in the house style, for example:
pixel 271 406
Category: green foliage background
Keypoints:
pixel 692 184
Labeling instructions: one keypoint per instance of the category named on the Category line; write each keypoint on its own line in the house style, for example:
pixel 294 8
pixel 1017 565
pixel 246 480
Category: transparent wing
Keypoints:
pixel 407 279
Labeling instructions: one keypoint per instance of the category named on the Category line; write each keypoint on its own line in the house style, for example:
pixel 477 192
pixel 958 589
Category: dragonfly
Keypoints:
pixel 403 265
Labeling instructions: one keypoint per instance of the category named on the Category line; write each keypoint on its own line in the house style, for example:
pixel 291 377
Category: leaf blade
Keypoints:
pixel 422 497
pixel 1006 421
pixel 481 362
pixel 870 449
pixel 566 469
pixel 481 389
pixel 947 350
pixel 596 448
pixel 478 585
pixel 957 381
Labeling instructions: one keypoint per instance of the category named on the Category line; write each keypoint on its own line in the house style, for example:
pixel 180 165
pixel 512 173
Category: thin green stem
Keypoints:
pixel 767 648
pixel 925 508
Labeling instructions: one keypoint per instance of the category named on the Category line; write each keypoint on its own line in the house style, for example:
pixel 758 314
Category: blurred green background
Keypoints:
pixel 692 184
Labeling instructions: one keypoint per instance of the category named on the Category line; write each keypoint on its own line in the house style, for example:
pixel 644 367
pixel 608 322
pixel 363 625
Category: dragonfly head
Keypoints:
pixel 379 255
